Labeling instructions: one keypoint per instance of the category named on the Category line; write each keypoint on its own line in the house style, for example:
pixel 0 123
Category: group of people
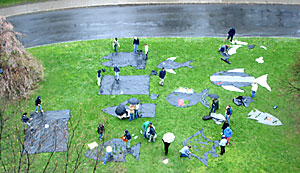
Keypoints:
pixel 136 43
pixel 25 119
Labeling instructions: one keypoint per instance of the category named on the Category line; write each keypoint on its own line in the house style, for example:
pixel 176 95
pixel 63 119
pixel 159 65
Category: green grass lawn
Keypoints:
pixel 70 83
pixel 7 3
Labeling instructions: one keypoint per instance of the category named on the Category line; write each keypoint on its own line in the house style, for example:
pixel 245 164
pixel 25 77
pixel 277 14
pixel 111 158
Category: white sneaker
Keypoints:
pixel 36 111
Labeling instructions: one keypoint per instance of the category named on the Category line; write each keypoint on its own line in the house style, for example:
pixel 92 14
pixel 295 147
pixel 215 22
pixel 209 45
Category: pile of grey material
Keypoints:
pixel 52 139
pixel 146 110
pixel 127 85
pixel 119 151
pixel 243 100
pixel 198 140
pixel 123 59
pixel 193 98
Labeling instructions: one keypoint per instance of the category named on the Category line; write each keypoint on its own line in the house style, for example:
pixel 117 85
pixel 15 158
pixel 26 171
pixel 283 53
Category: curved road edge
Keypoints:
pixel 68 4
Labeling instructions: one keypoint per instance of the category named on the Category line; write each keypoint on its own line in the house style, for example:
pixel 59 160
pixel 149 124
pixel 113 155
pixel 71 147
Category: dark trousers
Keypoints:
pixel 222 150
pixel 230 36
pixel 146 55
pixel 115 46
pixel 166 147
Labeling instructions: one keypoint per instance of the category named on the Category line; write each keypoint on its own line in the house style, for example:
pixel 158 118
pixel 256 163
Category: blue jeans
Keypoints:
pixel 117 75
pixel 26 123
pixel 131 116
pixel 128 143
pixel 146 55
pixel 184 155
pixel 107 155
pixel 136 113
pixel 36 108
pixel 115 48
pixel 213 108
pixel 100 136
pixel 253 94
pixel 135 48
pixel 227 118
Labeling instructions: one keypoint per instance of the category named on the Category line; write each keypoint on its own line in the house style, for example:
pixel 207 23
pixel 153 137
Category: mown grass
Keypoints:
pixel 70 83
pixel 8 3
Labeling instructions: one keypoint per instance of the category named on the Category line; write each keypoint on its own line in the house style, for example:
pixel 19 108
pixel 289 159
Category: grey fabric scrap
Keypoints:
pixel 251 46
pixel 153 96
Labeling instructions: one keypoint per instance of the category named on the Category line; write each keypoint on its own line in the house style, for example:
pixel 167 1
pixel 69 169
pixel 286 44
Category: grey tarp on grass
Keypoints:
pixel 193 98
pixel 122 59
pixel 198 140
pixel 243 100
pixel 146 110
pixel 251 46
pixel 153 96
pixel 52 139
pixel 119 151
pixel 264 118
pixel 127 85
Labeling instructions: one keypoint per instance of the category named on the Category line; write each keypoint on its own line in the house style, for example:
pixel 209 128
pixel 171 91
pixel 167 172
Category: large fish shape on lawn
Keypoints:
pixel 264 118
pixel 170 64
pixel 234 79
pixel 119 151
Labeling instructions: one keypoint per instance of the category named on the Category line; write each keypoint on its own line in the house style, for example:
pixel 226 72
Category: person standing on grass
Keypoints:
pixel 136 42
pixel 225 125
pixel 151 132
pixel 127 136
pixel 166 145
pixel 223 144
pixel 108 154
pixel 214 105
pixel 26 120
pixel 145 127
pixel 100 131
pixel 185 151
pixel 230 34
pixel 98 77
pixel 115 44
pixel 146 51
pixel 38 104
pixel 228 134
pixel 131 112
pixel 228 113
pixel 254 89
pixel 162 75
pixel 117 71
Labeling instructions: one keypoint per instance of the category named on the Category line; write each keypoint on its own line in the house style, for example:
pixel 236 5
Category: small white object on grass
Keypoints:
pixel 141 132
pixel 263 47
pixel 46 126
pixel 92 145
pixel 165 161
pixel 260 60
pixel 135 137
pixel 132 135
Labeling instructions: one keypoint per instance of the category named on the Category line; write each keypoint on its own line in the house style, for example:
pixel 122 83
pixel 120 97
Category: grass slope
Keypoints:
pixel 70 83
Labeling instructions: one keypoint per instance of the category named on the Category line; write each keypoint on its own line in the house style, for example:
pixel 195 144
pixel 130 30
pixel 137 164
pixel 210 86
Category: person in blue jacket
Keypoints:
pixel 162 75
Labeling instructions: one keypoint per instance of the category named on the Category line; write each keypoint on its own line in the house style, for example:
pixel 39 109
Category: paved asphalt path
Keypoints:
pixel 193 20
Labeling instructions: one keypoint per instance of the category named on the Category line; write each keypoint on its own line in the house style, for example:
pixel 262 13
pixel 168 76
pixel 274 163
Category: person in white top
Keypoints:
pixel 223 144
pixel 254 89
pixel 146 51
pixel 115 44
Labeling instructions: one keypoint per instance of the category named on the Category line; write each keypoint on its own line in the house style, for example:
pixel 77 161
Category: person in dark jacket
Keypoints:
pixel 26 120
pixel 214 105
pixel 38 103
pixel 162 75
pixel 127 136
pixel 136 42
pixel 117 71
pixel 230 34
pixel 100 131
pixel 225 125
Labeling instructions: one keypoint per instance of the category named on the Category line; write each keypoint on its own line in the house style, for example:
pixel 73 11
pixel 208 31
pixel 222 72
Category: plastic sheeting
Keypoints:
pixel 170 65
pixel 192 98
pixel 119 151
pixel 243 100
pixel 123 59
pixel 127 85
pixel 52 139
pixel 264 118
pixel 198 140
pixel 153 96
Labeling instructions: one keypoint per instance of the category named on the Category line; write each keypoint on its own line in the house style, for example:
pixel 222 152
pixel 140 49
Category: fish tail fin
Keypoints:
pixel 135 151
pixel 187 64
pixel 262 80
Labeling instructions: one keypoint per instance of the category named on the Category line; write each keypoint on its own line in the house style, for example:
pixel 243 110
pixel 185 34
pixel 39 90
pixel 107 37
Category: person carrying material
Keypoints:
pixel 228 113
pixel 223 144
pixel 185 152
pixel 254 89
pixel 230 34
pixel 151 133
pixel 127 138
pixel 26 121
pixel 117 71
pixel 214 105
pixel 146 51
pixel 100 131
pixel 115 44
pixel 162 75
pixel 136 42
pixel 145 127
pixel 38 103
